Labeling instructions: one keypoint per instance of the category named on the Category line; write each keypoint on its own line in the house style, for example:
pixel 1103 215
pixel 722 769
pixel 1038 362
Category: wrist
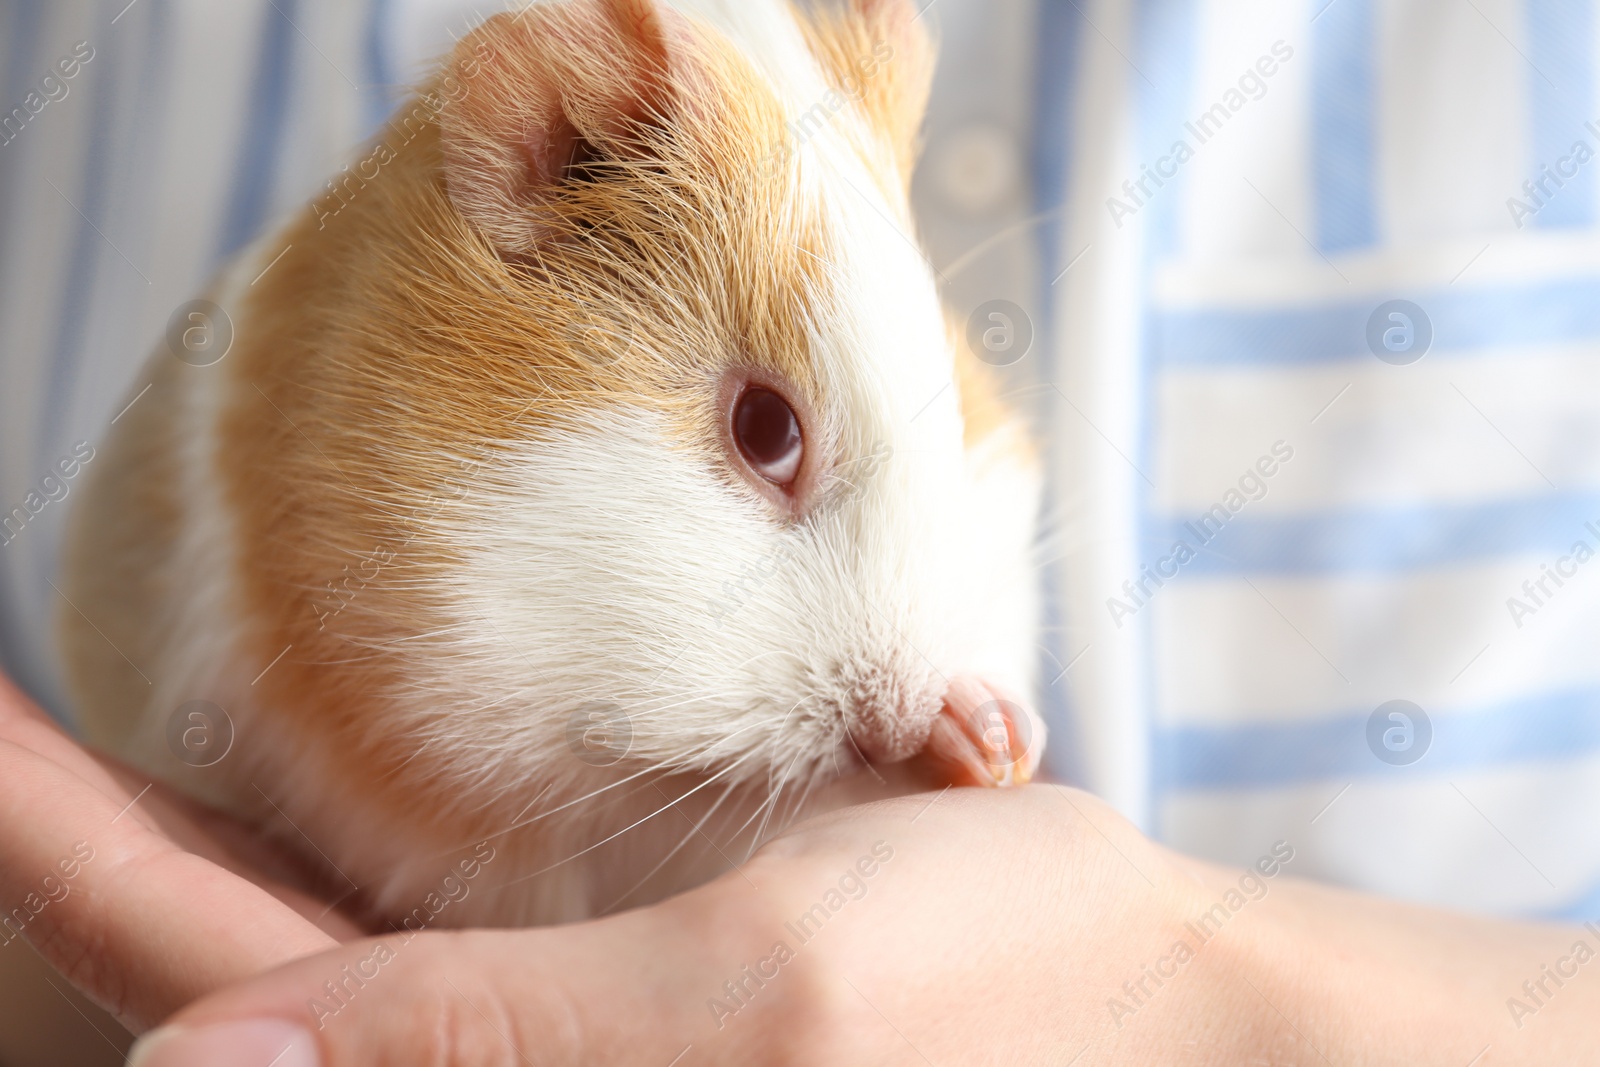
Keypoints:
pixel 1271 971
pixel 1319 974
pixel 1215 968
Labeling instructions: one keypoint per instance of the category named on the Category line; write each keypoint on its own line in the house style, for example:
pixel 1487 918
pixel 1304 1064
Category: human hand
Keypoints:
pixel 965 927
pixel 140 898
pixel 968 927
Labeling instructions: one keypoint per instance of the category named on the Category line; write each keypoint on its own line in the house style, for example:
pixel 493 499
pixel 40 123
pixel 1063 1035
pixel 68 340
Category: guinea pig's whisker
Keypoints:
pixel 814 779
pixel 772 794
pixel 771 806
pixel 866 762
pixel 1017 229
pixel 636 823
pixel 1056 543
pixel 695 828
pixel 777 734
pixel 519 823
pixel 529 805
pixel 699 754
pixel 1052 524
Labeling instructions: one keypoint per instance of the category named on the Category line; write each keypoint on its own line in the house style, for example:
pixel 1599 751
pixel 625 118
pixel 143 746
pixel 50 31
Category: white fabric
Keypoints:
pixel 1225 313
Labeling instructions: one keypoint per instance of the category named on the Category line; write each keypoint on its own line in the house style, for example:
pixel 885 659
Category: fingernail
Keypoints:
pixel 253 1043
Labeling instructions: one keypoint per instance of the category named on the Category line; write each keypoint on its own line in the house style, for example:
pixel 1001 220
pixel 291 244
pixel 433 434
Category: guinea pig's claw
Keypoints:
pixel 984 736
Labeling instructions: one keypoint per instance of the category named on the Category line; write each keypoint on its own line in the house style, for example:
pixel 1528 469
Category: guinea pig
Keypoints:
pixel 585 483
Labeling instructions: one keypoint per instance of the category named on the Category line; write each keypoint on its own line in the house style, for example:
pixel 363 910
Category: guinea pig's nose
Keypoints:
pixel 888 716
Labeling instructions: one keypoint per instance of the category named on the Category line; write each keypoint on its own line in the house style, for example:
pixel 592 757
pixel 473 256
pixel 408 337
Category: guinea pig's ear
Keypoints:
pixel 880 54
pixel 541 95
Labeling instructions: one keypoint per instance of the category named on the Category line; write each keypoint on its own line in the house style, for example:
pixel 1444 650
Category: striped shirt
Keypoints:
pixel 1315 286
pixel 1327 434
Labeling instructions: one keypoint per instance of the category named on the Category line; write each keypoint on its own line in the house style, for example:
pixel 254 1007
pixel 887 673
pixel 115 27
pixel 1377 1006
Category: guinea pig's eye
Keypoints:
pixel 768 435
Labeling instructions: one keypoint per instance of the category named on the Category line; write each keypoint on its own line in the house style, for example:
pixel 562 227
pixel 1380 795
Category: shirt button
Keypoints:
pixel 976 168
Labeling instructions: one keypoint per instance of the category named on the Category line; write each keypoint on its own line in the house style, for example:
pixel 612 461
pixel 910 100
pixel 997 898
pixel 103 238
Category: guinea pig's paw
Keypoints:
pixel 984 736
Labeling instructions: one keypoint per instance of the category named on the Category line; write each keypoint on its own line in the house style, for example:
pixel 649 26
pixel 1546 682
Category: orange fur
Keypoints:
pixel 880 54
pixel 984 411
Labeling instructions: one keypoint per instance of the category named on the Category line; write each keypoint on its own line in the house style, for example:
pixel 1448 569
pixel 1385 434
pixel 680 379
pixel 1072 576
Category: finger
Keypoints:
pixel 23 723
pixel 140 925
pixel 191 826
pixel 625 990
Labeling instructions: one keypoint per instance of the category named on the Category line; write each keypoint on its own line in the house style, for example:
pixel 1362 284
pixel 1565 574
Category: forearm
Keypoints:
pixel 1320 974
pixel 1068 934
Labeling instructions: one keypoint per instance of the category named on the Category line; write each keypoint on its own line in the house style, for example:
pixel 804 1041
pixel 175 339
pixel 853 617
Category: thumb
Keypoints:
pixel 624 990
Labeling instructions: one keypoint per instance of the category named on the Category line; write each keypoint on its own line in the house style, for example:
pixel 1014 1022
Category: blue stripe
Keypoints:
pixel 22 24
pixel 1543 728
pixel 1584 909
pixel 254 176
pixel 1059 33
pixel 379 92
pixel 1383 540
pixel 1162 87
pixel 88 249
pixel 1464 320
pixel 1561 92
pixel 1060 36
pixel 1165 46
pixel 1343 161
